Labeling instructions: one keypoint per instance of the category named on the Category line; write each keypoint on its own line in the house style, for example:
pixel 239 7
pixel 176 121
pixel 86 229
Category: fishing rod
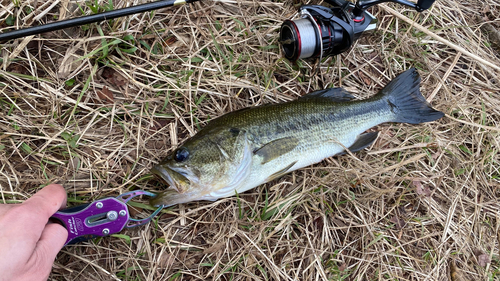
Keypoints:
pixel 58 25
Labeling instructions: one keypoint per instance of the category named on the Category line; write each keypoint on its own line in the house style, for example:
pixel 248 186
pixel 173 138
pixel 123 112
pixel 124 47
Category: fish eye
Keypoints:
pixel 181 154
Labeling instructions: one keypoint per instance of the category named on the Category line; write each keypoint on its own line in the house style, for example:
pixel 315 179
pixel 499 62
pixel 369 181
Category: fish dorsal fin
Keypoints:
pixel 331 94
pixel 281 172
pixel 363 141
pixel 276 148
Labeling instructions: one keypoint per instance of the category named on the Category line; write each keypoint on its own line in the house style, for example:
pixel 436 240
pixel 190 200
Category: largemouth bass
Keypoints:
pixel 246 148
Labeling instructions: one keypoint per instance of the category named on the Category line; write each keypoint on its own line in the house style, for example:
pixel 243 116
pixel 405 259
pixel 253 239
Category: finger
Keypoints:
pixel 51 241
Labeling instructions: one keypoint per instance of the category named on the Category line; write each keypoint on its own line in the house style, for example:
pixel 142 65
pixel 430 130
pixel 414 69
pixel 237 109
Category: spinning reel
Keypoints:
pixel 323 31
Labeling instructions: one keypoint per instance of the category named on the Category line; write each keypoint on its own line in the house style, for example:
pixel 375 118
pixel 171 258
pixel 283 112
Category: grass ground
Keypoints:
pixel 94 107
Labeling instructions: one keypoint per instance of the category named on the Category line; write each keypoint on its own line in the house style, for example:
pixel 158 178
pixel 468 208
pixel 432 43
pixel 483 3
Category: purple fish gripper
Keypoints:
pixel 101 218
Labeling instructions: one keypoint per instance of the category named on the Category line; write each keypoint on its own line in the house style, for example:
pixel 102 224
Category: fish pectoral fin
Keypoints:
pixel 281 172
pixel 363 141
pixel 276 148
pixel 331 94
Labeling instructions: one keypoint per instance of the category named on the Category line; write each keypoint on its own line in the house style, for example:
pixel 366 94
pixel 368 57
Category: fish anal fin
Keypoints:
pixel 281 172
pixel 363 141
pixel 331 94
pixel 276 148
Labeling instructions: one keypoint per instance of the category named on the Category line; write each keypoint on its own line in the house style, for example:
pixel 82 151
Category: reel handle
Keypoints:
pixel 362 5
pixel 336 3
pixel 425 4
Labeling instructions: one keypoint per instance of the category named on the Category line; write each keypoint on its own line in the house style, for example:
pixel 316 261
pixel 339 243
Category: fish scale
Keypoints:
pixel 326 128
pixel 243 149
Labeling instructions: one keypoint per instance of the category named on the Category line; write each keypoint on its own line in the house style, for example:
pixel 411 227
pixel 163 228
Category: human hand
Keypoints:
pixel 28 242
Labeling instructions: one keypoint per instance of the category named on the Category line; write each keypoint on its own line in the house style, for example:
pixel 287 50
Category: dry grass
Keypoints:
pixel 94 107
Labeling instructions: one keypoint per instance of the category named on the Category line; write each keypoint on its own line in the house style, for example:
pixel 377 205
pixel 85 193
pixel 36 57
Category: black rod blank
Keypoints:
pixel 58 25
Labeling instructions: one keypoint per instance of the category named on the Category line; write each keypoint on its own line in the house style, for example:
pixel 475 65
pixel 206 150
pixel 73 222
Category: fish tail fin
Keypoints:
pixel 406 101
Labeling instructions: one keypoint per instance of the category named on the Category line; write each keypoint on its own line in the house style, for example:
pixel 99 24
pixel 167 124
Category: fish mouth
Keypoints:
pixel 169 176
pixel 163 174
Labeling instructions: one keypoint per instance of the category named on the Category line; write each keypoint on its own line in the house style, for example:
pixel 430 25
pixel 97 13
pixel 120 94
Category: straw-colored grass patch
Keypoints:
pixel 94 107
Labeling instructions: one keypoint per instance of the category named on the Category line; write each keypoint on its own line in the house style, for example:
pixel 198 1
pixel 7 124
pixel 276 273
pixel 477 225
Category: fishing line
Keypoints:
pixel 308 37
